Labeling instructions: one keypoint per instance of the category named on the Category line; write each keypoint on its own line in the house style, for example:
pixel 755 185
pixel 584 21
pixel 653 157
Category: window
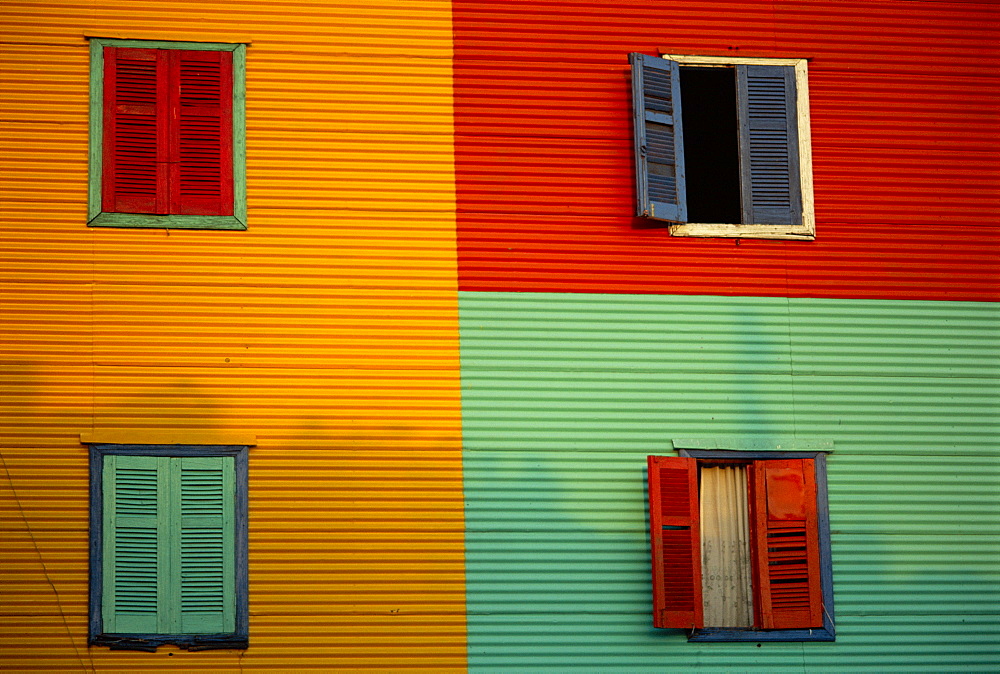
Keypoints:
pixel 722 145
pixel 167 130
pixel 741 545
pixel 168 546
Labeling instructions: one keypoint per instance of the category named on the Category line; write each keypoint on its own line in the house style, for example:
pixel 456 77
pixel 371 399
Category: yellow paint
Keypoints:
pixel 327 331
pixel 166 436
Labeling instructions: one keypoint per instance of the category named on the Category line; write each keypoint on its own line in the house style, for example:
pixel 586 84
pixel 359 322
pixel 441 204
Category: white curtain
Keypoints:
pixel 725 547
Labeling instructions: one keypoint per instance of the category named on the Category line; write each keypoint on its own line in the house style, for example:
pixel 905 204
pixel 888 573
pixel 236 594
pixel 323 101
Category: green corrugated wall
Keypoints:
pixel 565 394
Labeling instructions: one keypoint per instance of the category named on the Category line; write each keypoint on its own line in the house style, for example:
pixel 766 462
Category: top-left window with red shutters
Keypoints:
pixel 167 130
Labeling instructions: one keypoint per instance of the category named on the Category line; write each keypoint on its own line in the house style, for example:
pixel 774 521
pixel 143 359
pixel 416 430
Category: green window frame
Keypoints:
pixel 95 215
pixel 168 546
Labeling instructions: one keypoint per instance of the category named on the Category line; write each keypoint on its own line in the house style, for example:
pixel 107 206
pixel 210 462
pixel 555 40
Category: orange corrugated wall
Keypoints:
pixel 328 330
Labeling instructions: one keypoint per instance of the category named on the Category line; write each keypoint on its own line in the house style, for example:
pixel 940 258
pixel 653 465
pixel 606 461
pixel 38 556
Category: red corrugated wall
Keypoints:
pixel 905 109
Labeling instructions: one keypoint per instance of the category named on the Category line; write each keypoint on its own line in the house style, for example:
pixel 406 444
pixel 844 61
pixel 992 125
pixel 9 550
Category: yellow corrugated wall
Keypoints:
pixel 328 330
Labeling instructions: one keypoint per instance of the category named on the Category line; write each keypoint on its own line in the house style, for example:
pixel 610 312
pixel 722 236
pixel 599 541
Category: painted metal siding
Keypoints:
pixel 904 102
pixel 564 395
pixel 328 330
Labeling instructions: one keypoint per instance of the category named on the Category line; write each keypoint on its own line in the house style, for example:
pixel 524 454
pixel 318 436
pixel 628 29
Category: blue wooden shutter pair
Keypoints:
pixel 768 132
pixel 169 554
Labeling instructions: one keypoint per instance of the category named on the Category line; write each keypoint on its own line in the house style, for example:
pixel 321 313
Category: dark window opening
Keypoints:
pixel 711 144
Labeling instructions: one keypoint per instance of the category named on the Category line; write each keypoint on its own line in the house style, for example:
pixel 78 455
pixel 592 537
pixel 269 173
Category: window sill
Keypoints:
pixel 717 634
pixel 150 642
pixel 167 221
pixel 786 232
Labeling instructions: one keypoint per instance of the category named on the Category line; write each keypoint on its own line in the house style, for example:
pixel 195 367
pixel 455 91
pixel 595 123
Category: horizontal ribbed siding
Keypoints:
pixel 564 395
pixel 903 106
pixel 328 330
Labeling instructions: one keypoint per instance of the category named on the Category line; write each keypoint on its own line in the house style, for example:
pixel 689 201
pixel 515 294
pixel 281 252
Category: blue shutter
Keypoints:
pixel 659 145
pixel 769 145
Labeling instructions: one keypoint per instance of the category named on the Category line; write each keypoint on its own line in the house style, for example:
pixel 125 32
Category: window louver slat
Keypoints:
pixel 135 570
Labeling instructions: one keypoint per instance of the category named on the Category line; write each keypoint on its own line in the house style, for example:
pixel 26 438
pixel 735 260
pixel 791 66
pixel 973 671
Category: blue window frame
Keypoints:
pixel 168 546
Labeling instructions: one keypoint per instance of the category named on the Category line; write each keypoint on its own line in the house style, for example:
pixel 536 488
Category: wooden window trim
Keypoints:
pixel 239 638
pixel 803 232
pixel 828 631
pixel 95 216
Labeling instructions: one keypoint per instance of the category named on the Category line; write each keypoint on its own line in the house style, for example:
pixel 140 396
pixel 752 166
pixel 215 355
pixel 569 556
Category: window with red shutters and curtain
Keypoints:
pixel 167 135
pixel 740 545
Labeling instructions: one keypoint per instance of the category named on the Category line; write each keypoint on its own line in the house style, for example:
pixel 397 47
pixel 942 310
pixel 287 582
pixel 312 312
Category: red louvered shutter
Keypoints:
pixel 786 545
pixel 135 131
pixel 675 541
pixel 201 140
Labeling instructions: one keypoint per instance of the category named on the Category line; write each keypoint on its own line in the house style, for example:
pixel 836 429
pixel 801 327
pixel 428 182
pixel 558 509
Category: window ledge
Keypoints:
pixel 723 634
pixel 788 233
pixel 150 642
pixel 167 221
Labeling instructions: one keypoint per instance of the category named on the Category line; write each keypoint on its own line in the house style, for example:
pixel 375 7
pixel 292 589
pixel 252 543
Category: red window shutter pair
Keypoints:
pixel 785 543
pixel 168 132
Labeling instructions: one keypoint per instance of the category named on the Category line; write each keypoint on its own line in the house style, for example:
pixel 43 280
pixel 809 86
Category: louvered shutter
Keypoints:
pixel 201 139
pixel 134 529
pixel 769 145
pixel 206 601
pixel 169 552
pixel 134 159
pixel 675 541
pixel 786 554
pixel 658 137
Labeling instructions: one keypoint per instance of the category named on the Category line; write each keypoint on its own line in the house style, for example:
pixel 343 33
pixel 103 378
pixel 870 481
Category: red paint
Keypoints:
pixel 787 588
pixel 184 140
pixel 903 99
pixel 134 169
pixel 676 549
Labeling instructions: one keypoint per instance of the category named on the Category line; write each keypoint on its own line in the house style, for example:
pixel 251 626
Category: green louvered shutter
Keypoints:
pixel 658 137
pixel 769 145
pixel 134 526
pixel 206 551
pixel 169 551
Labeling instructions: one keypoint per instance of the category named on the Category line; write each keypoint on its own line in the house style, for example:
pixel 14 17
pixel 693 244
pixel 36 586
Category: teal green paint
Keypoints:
pixel 139 221
pixel 563 396
pixel 95 218
pixel 170 544
pixel 228 617
pixel 116 618
pixel 168 523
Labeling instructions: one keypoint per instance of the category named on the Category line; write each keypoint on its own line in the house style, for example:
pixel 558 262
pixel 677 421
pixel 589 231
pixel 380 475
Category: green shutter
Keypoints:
pixel 133 526
pixel 169 552
pixel 206 553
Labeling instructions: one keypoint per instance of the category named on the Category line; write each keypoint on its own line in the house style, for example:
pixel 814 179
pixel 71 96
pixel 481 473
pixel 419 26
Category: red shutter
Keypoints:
pixel 135 131
pixel 201 140
pixel 675 541
pixel 786 545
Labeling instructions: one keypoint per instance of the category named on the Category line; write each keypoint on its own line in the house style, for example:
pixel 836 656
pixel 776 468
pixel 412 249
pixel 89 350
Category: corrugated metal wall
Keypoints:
pixel 328 330
pixel 564 395
pixel 904 100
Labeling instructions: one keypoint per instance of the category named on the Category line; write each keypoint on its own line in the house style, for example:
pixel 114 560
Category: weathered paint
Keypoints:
pixel 903 104
pixel 327 330
pixel 564 395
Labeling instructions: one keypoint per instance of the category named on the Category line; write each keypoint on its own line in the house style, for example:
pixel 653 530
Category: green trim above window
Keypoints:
pixel 95 216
